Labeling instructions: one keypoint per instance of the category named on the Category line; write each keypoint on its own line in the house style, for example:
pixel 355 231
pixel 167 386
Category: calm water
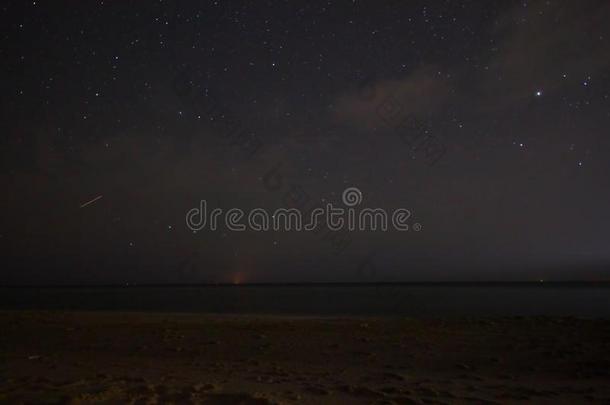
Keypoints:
pixel 405 300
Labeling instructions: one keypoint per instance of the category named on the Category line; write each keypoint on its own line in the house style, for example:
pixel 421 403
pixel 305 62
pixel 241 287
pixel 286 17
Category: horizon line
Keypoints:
pixel 313 283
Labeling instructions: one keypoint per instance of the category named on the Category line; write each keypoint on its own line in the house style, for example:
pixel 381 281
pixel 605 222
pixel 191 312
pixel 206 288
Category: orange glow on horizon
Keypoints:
pixel 238 278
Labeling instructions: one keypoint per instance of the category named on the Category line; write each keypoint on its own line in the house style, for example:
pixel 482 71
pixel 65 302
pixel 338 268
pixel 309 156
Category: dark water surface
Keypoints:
pixel 425 300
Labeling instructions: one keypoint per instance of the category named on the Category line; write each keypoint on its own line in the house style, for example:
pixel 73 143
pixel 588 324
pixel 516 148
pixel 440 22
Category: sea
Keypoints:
pixel 588 300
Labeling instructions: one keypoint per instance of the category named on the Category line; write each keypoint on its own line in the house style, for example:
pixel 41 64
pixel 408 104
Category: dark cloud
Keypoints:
pixel 420 93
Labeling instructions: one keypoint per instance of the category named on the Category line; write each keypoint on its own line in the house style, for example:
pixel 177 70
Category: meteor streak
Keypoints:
pixel 91 202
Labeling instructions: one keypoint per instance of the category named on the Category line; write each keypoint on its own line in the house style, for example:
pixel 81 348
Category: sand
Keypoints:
pixel 146 358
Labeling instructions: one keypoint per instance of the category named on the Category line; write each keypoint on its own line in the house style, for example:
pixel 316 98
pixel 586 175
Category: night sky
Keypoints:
pixel 489 120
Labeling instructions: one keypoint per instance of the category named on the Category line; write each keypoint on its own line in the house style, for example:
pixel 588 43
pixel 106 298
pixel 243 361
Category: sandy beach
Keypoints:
pixel 148 358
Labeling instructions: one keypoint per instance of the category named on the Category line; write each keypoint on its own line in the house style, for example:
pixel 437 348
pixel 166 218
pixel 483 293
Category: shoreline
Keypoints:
pixel 220 316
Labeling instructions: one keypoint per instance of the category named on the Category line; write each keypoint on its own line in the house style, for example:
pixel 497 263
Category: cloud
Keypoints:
pixel 375 101
pixel 541 46
pixel 545 46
